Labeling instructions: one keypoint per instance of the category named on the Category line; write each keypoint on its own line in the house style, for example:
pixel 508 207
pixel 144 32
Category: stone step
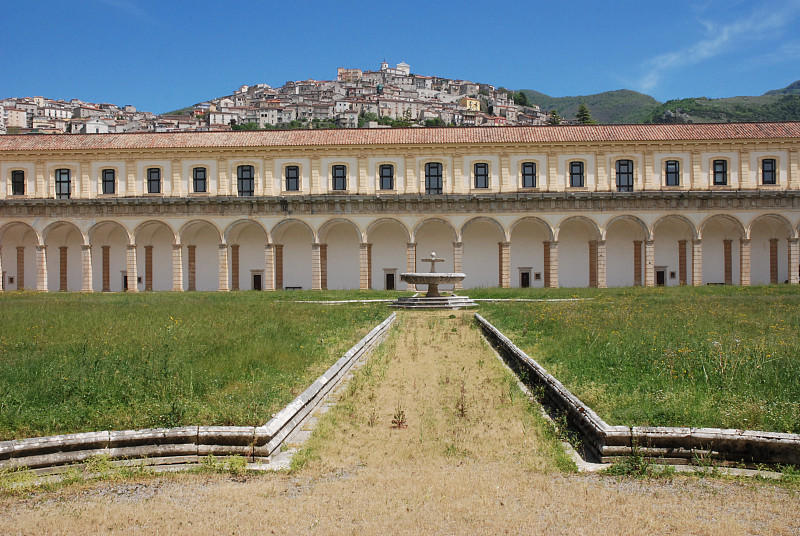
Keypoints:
pixel 439 302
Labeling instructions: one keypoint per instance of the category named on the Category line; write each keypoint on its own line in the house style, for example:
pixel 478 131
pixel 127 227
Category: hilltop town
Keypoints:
pixel 389 96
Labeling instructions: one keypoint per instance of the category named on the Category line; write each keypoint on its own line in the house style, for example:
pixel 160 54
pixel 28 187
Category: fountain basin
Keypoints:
pixel 433 280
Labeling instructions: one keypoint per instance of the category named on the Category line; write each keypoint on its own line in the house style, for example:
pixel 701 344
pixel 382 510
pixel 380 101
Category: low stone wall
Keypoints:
pixel 670 444
pixel 187 444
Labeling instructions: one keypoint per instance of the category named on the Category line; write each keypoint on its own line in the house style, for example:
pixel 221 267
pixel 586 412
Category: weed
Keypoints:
pixel 399 417
pixel 461 403
pixel 372 420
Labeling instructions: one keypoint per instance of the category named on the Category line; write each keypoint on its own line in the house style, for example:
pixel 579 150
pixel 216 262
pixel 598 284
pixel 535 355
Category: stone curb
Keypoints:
pixel 670 444
pixel 188 443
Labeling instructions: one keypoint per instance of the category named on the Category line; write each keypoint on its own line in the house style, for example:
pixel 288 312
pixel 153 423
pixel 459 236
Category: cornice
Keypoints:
pixel 404 204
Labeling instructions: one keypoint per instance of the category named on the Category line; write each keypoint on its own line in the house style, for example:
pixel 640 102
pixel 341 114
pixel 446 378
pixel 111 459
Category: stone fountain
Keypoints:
pixel 433 299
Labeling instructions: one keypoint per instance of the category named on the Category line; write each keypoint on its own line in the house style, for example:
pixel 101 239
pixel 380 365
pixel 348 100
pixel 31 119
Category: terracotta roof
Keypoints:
pixel 405 136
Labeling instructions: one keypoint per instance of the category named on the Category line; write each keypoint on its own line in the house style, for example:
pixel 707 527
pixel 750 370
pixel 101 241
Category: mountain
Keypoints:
pixel 621 106
pixel 768 107
pixel 791 89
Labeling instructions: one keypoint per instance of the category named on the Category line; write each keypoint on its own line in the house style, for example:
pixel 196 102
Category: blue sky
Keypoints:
pixel 168 54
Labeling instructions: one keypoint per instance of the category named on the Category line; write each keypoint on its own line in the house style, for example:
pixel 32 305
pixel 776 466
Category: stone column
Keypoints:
pixel 458 263
pixel 726 248
pixel 553 247
pixel 697 263
pixel 601 264
pixel 223 268
pixel 148 268
pixel 191 267
pixel 546 263
pixel 132 271
pixel 637 263
pixel 86 268
pixel 505 263
pixel 106 268
pixel 20 267
pixel 773 261
pixel 649 264
pixel 316 267
pixel 794 260
pixel 269 267
pixel 411 261
pixel 744 262
pixel 177 267
pixel 365 266
pixel 682 262
pixel 323 265
pixel 41 268
pixel 234 266
pixel 62 268
pixel 593 263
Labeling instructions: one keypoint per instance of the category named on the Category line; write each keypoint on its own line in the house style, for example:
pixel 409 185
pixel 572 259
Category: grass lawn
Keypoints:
pixel 709 356
pixel 84 362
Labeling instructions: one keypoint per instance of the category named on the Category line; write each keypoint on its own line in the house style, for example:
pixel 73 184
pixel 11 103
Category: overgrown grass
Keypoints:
pixel 76 362
pixel 712 356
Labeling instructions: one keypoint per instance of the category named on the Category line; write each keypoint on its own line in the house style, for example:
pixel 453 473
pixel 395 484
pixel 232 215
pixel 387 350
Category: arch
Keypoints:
pixel 769 248
pixel 56 224
pixel 326 227
pixel 420 224
pixel 238 224
pixel 7 226
pixel 680 217
pixel 570 219
pixel 727 217
pixel 289 221
pixel 194 223
pixel 771 216
pixel 148 223
pixel 381 221
pixel 489 219
pixel 532 219
pixel 626 217
pixel 100 224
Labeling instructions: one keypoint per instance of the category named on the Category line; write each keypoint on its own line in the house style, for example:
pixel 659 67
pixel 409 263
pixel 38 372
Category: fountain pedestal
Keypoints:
pixel 433 299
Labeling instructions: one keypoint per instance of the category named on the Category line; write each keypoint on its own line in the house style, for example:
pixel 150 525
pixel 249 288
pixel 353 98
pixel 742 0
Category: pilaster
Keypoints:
pixel 85 178
pixel 278 266
pixel 21 267
pixel 62 269
pixel 458 263
pixel 223 268
pixel 269 265
pixel 773 261
pixel 648 181
pixel 601 264
pixel 411 182
pixel 365 266
pixel 148 268
pixel 505 173
pixel 130 177
pixel 363 179
pixel 793 179
pixel 316 267
pixel 794 261
pixel 601 178
pixel 42 184
pixel 456 177
pixel 191 267
pixel 728 259
pixel 41 268
pixel 411 261
pixel 553 246
pixel 682 274
pixel 697 262
pixel 649 264
pixel 744 262
pixel 86 268
pixel 223 182
pixel 176 184
pixel 504 268
pixel 234 260
pixel 106 268
pixel 593 264
pixel 132 271
pixel 637 263
pixel 177 268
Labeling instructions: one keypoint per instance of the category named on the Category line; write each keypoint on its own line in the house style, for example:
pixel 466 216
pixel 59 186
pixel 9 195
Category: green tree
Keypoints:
pixel 554 118
pixel 521 99
pixel 583 116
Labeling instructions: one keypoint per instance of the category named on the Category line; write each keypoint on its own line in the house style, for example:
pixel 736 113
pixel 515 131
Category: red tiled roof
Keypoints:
pixel 405 136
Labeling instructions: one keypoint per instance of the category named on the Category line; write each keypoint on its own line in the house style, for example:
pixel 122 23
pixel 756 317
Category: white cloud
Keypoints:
pixel 721 39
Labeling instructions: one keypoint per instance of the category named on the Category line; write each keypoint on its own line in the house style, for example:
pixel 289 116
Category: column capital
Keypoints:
pixel 86 247
pixel 411 244
pixel 458 244
pixel 40 247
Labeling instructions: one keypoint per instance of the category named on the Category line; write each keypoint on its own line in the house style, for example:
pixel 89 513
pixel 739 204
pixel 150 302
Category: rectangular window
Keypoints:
pixel 339 177
pixel 672 173
pixel 18 182
pixel 245 181
pixel 62 184
pixel 199 180
pixel 433 178
pixel 292 178
pixel 153 180
pixel 529 174
pixel 624 175
pixel 720 172
pixel 386 172
pixel 481 175
pixel 109 181
pixel 768 175
pixel 576 174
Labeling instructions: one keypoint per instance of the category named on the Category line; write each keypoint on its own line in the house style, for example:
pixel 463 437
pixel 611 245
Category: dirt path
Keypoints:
pixel 469 457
